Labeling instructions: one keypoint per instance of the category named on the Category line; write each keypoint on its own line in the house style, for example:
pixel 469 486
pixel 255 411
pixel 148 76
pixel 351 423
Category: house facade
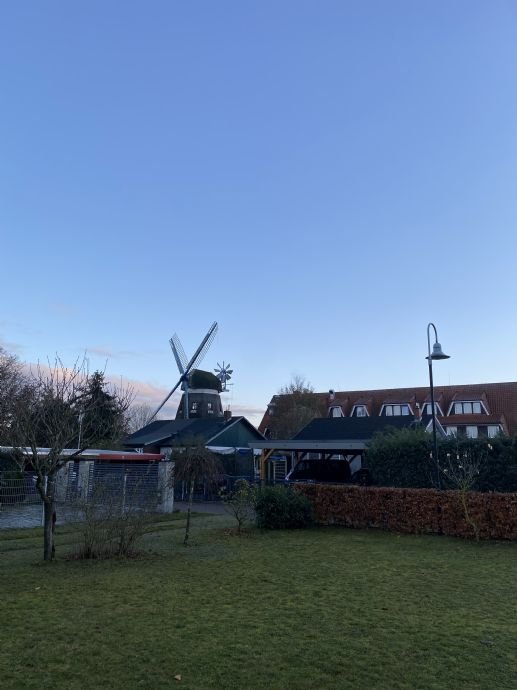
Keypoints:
pixel 227 437
pixel 473 411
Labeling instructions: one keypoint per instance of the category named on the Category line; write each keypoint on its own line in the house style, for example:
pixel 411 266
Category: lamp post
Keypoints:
pixel 437 353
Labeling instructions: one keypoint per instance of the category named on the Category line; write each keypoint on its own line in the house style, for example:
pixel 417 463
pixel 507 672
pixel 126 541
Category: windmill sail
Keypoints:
pixel 184 367
pixel 163 403
pixel 179 353
pixel 203 348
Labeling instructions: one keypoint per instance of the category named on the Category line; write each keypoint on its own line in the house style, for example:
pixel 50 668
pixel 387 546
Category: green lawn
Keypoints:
pixel 315 609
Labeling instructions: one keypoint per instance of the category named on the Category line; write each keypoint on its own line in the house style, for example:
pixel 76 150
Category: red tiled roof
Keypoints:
pixel 471 419
pixel 398 400
pixel 438 397
pixel 500 399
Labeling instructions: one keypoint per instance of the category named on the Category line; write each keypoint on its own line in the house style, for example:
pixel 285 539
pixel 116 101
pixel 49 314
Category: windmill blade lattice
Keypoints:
pixel 181 361
pixel 179 353
pixel 202 349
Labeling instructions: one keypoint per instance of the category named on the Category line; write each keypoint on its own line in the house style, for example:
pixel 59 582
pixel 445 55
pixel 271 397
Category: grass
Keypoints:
pixel 321 608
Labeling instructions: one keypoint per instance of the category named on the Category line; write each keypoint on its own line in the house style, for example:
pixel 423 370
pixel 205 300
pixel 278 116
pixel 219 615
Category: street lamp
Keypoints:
pixel 437 353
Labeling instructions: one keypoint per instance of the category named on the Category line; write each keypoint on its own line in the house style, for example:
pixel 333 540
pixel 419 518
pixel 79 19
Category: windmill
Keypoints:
pixel 224 374
pixel 191 378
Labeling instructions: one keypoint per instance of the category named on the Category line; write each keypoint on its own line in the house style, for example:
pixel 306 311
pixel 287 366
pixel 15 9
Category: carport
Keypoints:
pixel 296 450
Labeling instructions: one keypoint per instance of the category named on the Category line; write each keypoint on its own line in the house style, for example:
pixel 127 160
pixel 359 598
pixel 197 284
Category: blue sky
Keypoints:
pixel 322 178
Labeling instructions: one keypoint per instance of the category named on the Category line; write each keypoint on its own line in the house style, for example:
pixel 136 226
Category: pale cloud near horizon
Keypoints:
pixel 146 392
pixel 108 353
pixel 153 394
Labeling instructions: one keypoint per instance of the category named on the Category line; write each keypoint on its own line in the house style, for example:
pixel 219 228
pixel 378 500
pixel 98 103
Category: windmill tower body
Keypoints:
pixel 202 398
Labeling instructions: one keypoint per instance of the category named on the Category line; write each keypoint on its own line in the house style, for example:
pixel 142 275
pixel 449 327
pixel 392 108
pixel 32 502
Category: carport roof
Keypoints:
pixel 342 433
pixel 355 428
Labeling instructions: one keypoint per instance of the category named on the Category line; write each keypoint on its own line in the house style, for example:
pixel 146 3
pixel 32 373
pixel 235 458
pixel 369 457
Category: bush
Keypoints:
pixel 278 507
pixel 240 503
pixel 498 469
pixel 403 458
pixel 107 529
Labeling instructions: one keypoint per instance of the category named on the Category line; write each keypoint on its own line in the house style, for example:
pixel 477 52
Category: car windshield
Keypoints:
pixel 322 470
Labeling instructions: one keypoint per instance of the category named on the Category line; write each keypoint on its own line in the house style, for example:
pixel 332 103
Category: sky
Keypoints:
pixel 322 178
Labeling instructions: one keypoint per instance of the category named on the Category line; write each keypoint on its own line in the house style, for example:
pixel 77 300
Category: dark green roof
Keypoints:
pixel 354 428
pixel 173 431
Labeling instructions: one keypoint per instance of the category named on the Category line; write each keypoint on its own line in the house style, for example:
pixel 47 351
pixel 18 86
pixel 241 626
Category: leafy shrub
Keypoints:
pixel 278 507
pixel 498 467
pixel 403 458
pixel 240 503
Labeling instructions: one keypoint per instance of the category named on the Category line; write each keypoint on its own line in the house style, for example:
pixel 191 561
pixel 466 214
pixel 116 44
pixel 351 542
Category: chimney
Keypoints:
pixel 227 415
pixel 332 395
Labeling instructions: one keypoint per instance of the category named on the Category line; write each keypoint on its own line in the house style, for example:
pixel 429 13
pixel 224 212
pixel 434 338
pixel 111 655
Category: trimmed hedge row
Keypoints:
pixel 415 511
pixel 403 458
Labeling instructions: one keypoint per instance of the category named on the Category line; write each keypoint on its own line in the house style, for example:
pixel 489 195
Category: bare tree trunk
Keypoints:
pixel 49 548
pixel 49 517
pixel 189 510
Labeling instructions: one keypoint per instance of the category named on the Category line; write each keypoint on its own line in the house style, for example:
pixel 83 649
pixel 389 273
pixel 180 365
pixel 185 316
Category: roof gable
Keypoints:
pixel 173 431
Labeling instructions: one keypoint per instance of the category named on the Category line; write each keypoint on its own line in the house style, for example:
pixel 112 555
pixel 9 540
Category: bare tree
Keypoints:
pixel 138 416
pixel 112 523
pixel 194 464
pixel 461 472
pixel 11 383
pixel 48 412
pixel 295 405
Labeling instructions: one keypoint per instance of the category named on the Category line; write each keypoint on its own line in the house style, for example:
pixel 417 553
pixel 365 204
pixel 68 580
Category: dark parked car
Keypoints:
pixel 327 471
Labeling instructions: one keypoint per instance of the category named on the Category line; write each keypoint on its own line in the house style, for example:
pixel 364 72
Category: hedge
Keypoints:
pixel 415 511
pixel 404 459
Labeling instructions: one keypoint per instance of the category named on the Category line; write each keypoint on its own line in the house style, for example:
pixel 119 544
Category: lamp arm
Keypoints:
pixel 429 339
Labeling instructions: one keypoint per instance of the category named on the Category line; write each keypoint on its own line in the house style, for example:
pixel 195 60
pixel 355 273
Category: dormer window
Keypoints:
pixel 335 411
pixel 468 407
pixel 395 410
pixel 427 409
pixel 359 411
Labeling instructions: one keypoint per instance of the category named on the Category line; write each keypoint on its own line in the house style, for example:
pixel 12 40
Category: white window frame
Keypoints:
pixel 437 409
pixel 355 407
pixel 471 431
pixel 462 402
pixel 339 409
pixel 385 406
pixel 493 430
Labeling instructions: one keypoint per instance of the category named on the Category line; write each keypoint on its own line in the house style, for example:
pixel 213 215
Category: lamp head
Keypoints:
pixel 438 353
